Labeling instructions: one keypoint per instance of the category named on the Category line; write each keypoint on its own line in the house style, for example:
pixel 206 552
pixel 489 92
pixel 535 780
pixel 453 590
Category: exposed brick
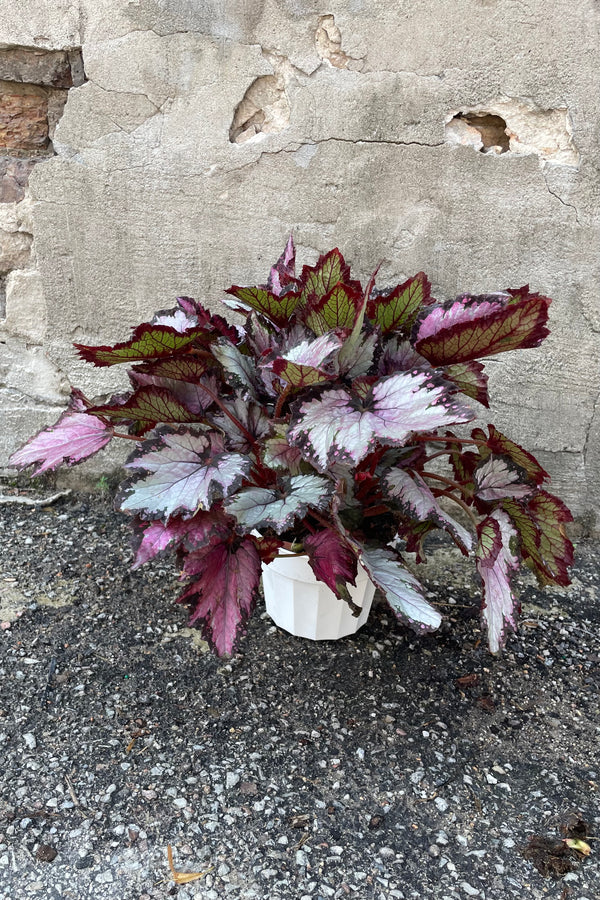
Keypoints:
pixel 23 118
pixel 14 178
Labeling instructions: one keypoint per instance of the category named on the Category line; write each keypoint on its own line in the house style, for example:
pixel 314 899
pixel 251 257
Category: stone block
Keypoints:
pixel 15 250
pixel 25 306
pixel 14 178
pixel 23 118
pixel 33 66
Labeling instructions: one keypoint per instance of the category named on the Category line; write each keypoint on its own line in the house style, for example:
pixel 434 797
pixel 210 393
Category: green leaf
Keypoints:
pixel 397 309
pixel 470 379
pixel 320 279
pixel 147 342
pixel 278 310
pixel 336 309
pixel 148 406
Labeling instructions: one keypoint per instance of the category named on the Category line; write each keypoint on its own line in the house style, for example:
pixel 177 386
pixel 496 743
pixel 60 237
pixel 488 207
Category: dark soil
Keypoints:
pixel 379 766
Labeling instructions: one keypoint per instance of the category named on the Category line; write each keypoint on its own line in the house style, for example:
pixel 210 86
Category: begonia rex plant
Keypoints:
pixel 316 424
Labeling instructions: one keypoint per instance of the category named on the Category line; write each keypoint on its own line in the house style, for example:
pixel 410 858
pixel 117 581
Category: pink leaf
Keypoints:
pixel 283 272
pixel 473 327
pixel 154 538
pixel 337 428
pixel 495 563
pixel 495 481
pixel 224 590
pixel 74 437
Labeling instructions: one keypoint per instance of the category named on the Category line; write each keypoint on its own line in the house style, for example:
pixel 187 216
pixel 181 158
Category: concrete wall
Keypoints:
pixel 459 138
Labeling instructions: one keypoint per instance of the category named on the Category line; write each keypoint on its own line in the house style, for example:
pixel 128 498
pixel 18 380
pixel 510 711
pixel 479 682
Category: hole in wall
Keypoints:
pixel 486 132
pixel 518 125
pixel 263 108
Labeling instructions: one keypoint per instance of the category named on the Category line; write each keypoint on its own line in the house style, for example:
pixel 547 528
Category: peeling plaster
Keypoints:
pixel 529 130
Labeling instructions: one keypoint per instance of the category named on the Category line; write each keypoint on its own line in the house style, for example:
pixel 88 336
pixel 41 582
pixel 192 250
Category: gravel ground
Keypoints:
pixel 379 766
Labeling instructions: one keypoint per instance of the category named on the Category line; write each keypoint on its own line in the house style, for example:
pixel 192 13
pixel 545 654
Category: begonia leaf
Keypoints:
pixel 74 437
pixel 545 547
pixel 176 318
pixel 183 472
pixel 209 320
pixel 472 327
pixel 397 309
pixel 152 539
pixel 332 561
pixel 337 308
pixel 400 356
pixel 279 454
pixel 330 269
pixel 415 500
pixel 495 480
pixel 499 444
pixel 283 272
pixel 470 379
pixel 278 309
pixel 250 416
pixel 338 428
pixel 224 590
pixel 240 367
pixel 148 405
pixel 268 547
pixel 401 589
pixel 495 563
pixel 278 507
pixel 362 359
pixel 300 365
pixel 196 395
pixel 176 368
pixel 147 342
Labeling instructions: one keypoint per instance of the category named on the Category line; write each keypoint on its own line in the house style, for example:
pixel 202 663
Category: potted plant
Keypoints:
pixel 320 427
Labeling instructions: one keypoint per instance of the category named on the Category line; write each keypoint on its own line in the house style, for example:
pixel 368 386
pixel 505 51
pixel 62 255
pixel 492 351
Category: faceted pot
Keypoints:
pixel 304 606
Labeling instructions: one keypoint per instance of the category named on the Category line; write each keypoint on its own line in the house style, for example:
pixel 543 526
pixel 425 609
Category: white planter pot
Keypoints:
pixel 307 608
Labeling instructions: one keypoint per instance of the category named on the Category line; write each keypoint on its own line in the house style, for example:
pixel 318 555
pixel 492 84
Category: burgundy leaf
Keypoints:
pixel 148 406
pixel 152 539
pixel 503 446
pixel 338 308
pixel 224 590
pixel 177 368
pixel 74 437
pixel 318 280
pixel 470 379
pixel 332 561
pixel 278 309
pixel 280 455
pixel 196 395
pixel 473 327
pixel 545 547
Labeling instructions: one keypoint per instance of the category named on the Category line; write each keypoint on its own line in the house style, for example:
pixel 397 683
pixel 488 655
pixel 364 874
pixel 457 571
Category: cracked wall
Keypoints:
pixel 461 141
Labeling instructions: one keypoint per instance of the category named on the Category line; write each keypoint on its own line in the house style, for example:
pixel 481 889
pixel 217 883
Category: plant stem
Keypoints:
pixel 453 484
pixel 435 438
pixel 281 400
pixel 462 504
pixel 127 437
